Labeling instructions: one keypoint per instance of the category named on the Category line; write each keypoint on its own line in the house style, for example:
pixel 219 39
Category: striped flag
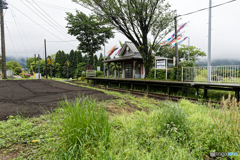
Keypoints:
pixel 118 51
pixel 111 50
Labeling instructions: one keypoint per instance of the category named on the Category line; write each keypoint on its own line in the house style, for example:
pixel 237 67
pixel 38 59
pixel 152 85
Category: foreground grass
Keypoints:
pixel 153 130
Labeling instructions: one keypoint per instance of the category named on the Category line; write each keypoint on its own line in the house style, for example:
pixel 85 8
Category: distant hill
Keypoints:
pixel 21 60
pixel 219 62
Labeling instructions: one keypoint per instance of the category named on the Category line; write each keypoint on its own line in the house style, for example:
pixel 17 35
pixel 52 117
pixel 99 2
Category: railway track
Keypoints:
pixel 156 96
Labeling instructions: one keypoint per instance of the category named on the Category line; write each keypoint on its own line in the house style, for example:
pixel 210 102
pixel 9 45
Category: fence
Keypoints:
pixel 218 73
pixel 91 73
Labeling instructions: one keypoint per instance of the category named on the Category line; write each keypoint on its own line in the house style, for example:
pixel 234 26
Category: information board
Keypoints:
pixel 161 64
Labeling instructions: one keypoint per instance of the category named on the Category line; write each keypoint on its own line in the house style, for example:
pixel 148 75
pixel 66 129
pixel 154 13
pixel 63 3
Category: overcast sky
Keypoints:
pixel 25 31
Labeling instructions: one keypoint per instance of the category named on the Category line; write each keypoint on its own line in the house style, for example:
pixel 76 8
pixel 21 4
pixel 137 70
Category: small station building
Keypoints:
pixel 131 62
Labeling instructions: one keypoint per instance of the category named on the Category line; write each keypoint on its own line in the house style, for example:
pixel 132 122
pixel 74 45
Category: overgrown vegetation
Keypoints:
pixel 110 130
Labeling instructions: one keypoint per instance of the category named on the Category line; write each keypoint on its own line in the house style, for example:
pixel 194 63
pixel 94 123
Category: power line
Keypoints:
pixel 166 13
pixel 22 30
pixel 206 8
pixel 44 19
pixel 39 50
pixel 38 24
pixel 63 41
pixel 11 40
pixel 19 33
pixel 50 17
pixel 52 6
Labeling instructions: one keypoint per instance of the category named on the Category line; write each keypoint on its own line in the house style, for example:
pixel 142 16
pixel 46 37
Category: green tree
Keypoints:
pixel 89 31
pixel 137 20
pixel 28 62
pixel 12 65
pixel 169 52
pixel 195 52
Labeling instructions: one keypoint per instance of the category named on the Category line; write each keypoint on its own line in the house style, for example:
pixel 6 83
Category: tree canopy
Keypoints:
pixel 169 52
pixel 89 30
pixel 137 20
pixel 12 65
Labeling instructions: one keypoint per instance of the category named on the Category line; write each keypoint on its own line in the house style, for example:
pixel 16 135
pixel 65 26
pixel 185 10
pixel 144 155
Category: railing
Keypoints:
pixel 91 73
pixel 218 73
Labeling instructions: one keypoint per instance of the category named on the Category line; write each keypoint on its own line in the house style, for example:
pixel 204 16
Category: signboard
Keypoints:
pixel 98 68
pixel 50 61
pixel 161 64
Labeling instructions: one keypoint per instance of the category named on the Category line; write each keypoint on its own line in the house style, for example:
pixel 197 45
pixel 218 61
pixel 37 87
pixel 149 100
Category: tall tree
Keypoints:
pixel 195 52
pixel 136 19
pixel 89 30
pixel 169 52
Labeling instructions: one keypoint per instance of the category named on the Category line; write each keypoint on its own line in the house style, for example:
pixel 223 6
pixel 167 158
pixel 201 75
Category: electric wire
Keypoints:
pixel 50 17
pixel 154 13
pixel 39 24
pixel 63 41
pixel 206 8
pixel 22 31
pixel 39 50
pixel 52 6
pixel 43 18
pixel 11 40
pixel 19 33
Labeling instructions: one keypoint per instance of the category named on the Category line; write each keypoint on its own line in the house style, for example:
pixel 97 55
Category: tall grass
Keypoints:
pixel 172 121
pixel 84 126
pixel 168 131
pixel 227 121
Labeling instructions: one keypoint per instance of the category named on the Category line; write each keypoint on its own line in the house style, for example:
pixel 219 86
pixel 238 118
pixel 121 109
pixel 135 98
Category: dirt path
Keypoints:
pixel 33 97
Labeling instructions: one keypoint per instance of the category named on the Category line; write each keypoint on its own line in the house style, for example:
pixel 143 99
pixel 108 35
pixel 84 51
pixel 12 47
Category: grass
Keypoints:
pixel 108 130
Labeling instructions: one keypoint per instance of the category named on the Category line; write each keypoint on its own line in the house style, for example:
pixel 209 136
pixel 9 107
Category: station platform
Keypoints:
pixel 169 84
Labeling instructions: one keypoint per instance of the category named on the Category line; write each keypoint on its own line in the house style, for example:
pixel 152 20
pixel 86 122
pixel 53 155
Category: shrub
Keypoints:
pixel 18 70
pixel 161 73
pixel 99 73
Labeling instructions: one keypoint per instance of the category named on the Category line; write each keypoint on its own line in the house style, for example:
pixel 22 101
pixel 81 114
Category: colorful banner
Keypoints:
pixel 112 52
pixel 162 43
pixel 180 41
pixel 182 27
pixel 111 49
pixel 118 51
pixel 175 40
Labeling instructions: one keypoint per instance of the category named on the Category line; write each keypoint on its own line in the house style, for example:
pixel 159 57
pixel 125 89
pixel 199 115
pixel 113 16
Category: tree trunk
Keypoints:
pixel 147 60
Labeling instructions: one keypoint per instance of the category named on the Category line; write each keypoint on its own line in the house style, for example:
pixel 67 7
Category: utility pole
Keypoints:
pixel 77 66
pixel 188 49
pixel 38 66
pixel 209 42
pixel 45 57
pixel 35 63
pixel 3 6
pixel 176 47
pixel 104 54
pixel 27 66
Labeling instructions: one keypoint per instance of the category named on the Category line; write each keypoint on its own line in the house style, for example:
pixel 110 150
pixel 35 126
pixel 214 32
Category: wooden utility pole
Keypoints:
pixel 35 63
pixel 45 57
pixel 77 65
pixel 3 6
pixel 38 66
pixel 176 47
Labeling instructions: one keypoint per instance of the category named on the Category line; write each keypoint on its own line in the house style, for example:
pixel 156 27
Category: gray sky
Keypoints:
pixel 27 37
